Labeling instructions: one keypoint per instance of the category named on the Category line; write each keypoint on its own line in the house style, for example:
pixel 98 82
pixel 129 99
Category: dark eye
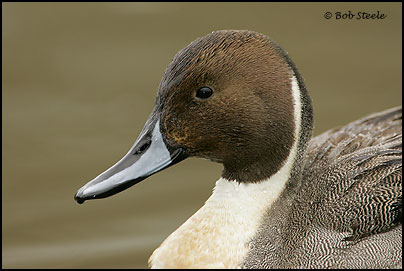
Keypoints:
pixel 204 92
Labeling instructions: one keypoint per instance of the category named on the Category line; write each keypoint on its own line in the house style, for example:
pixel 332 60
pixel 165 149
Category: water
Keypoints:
pixel 79 80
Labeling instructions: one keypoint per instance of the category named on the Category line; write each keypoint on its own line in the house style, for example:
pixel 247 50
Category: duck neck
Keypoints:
pixel 218 234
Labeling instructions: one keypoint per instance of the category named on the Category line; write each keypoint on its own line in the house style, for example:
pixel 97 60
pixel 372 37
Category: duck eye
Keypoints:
pixel 204 92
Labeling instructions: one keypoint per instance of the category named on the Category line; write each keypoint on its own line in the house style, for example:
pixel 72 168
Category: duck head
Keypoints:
pixel 227 97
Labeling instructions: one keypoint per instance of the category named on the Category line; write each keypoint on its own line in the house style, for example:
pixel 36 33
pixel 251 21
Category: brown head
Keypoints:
pixel 226 97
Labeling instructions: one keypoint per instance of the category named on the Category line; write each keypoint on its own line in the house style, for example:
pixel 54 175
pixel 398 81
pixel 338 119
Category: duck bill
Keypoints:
pixel 149 154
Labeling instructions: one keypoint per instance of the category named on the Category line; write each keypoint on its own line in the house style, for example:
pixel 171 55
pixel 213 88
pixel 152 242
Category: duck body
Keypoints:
pixel 284 200
pixel 345 212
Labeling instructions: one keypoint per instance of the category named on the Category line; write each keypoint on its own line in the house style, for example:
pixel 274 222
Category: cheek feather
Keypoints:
pixel 177 130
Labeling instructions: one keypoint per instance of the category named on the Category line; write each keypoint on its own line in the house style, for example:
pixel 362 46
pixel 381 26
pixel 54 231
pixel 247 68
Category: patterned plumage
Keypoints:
pixel 345 212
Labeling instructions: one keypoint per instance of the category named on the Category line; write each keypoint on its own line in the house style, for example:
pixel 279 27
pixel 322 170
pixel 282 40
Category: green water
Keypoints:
pixel 79 80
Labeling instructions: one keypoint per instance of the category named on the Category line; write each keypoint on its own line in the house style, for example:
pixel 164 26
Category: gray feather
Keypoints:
pixel 346 206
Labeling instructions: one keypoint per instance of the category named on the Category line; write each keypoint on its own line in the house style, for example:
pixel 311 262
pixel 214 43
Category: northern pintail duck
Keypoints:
pixel 284 200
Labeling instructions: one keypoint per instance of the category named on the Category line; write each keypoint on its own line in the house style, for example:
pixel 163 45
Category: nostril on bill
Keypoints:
pixel 143 147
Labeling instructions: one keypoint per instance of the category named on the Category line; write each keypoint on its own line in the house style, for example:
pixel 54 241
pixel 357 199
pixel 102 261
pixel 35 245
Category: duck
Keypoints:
pixel 284 199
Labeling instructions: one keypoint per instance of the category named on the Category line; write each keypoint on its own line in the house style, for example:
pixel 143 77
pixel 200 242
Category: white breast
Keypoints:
pixel 216 236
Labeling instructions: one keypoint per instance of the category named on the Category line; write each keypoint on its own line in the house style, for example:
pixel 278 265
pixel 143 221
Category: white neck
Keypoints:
pixel 217 235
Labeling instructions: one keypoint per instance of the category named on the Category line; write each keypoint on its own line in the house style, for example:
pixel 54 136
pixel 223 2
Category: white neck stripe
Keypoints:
pixel 297 108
